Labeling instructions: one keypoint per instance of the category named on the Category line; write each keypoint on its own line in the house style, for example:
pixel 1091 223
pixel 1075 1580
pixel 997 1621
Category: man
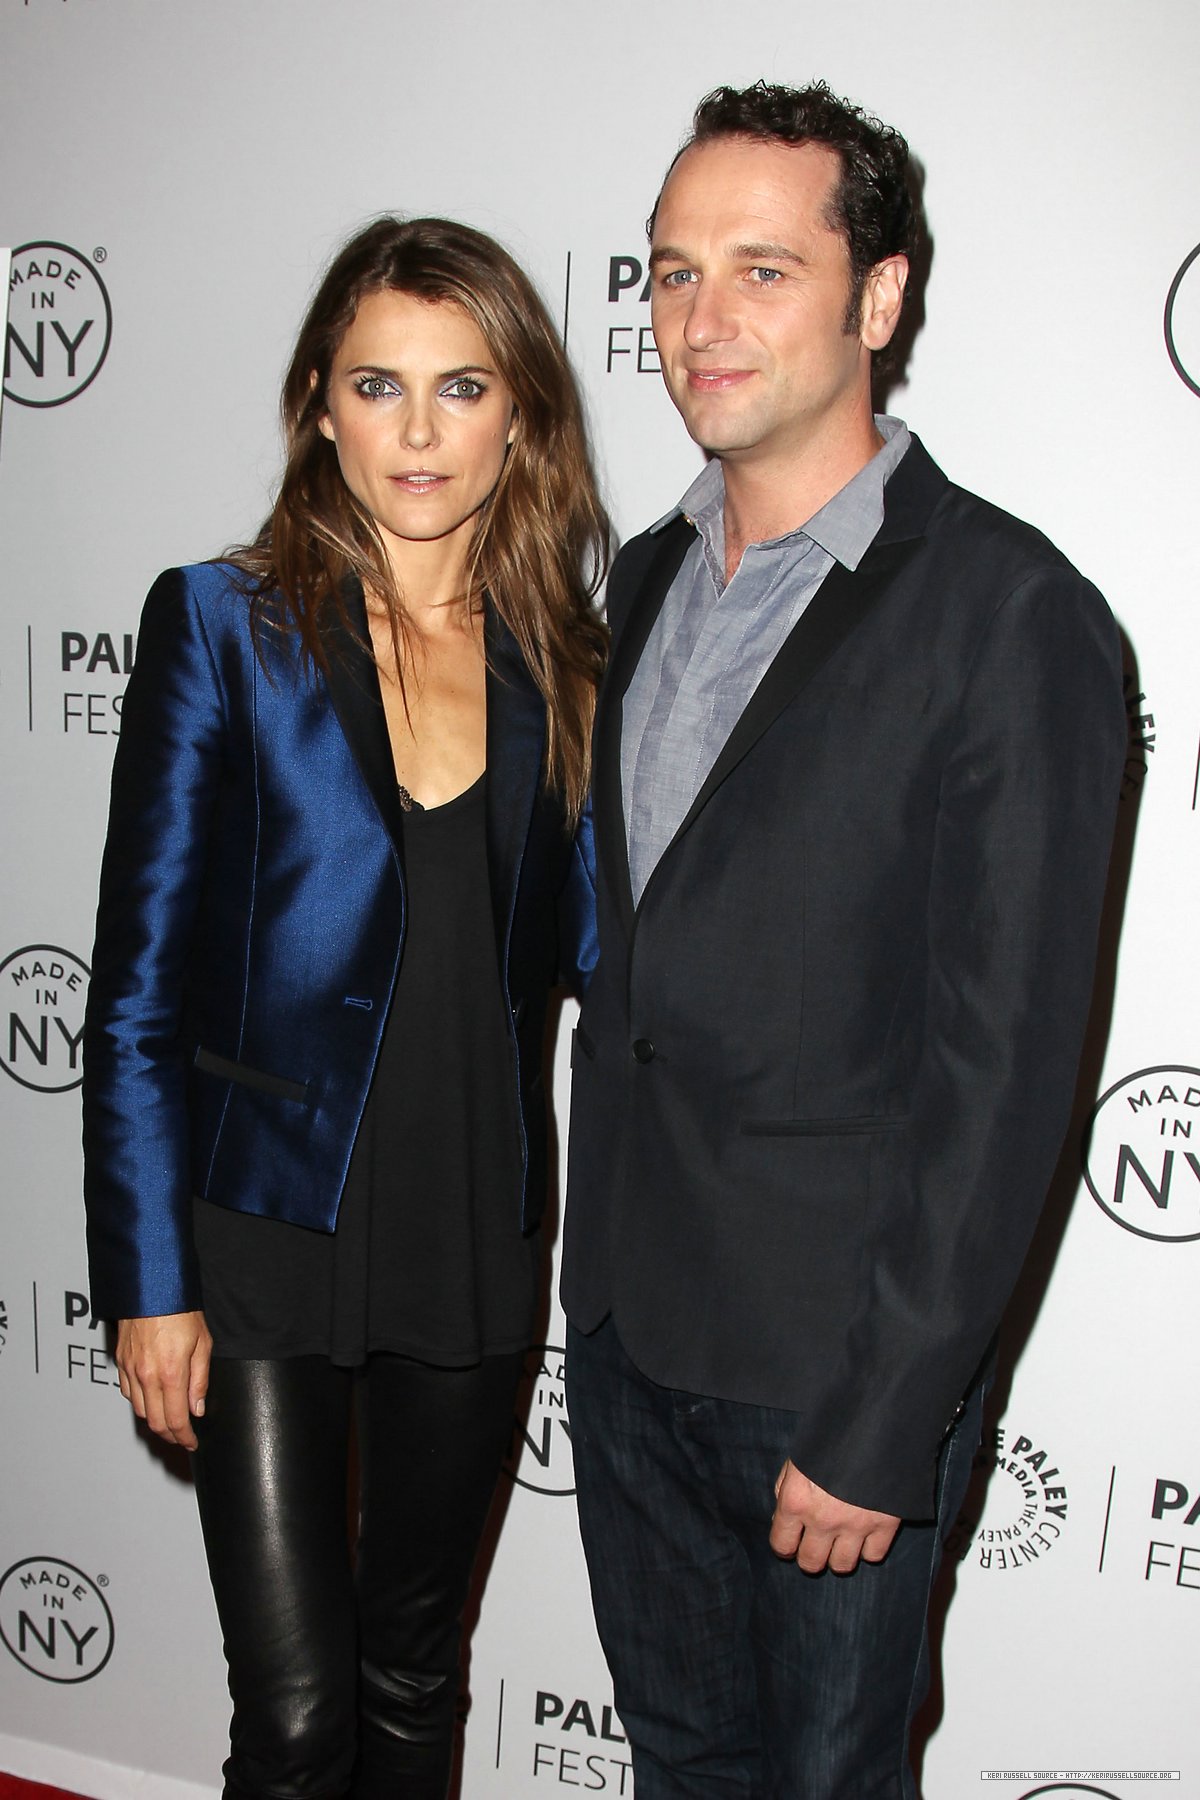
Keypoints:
pixel 857 759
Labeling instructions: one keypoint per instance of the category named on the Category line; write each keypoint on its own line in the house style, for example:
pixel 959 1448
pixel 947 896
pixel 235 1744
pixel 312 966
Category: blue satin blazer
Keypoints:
pixel 251 923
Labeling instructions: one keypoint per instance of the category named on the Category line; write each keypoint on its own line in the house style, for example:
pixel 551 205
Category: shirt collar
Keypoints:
pixel 845 527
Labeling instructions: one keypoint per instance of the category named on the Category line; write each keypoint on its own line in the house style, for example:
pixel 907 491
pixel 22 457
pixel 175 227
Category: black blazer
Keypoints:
pixel 252 920
pixel 825 1067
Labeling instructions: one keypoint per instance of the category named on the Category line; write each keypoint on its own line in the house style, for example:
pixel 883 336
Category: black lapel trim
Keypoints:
pixel 841 603
pixel 516 743
pixel 671 547
pixel 839 606
pixel 354 690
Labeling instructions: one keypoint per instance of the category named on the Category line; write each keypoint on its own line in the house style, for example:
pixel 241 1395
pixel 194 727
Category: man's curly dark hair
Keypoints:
pixel 871 206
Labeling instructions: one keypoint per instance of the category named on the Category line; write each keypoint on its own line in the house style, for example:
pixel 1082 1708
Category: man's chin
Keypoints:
pixel 728 444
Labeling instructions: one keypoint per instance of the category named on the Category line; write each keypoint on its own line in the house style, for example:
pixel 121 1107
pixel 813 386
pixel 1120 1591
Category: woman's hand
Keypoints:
pixel 164 1371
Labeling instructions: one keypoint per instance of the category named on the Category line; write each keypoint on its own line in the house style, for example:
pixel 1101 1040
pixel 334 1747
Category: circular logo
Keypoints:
pixel 1142 737
pixel 42 995
pixel 540 1453
pixel 1068 1788
pixel 1142 1153
pixel 1015 1511
pixel 55 1620
pixel 1181 321
pixel 59 325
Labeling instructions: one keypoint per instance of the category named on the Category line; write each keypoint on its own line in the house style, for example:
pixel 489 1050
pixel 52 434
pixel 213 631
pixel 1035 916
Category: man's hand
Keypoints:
pixel 164 1372
pixel 820 1531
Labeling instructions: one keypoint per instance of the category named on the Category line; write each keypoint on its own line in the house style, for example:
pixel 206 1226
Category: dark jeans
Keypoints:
pixel 734 1673
pixel 345 1677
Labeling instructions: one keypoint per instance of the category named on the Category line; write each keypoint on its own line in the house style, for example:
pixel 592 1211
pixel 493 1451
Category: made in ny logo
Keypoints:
pixel 43 990
pixel 55 1620
pixel 59 324
pixel 1181 321
pixel 1142 1153
pixel 540 1455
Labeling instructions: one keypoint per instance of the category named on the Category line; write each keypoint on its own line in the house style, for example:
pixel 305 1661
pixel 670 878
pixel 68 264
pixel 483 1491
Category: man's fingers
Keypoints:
pixel 844 1554
pixel 818 1531
pixel 877 1543
pixel 815 1550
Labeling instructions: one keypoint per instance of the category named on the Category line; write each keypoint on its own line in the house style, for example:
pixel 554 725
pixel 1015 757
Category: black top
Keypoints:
pixel 427 1259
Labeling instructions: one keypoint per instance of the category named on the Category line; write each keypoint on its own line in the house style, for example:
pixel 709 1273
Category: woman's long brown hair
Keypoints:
pixel 540 545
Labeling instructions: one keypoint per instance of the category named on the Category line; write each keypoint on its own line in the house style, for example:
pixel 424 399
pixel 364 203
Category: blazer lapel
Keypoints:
pixel 839 606
pixel 354 690
pixel 842 601
pixel 612 848
pixel 516 742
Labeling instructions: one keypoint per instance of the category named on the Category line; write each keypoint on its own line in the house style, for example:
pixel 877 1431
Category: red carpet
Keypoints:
pixel 13 1788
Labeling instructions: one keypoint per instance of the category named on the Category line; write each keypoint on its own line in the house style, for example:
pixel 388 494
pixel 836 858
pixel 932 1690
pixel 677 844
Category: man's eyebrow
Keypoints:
pixel 765 253
pixel 669 253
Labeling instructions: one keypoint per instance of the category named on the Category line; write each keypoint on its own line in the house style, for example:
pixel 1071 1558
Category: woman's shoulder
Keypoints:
pixel 217 585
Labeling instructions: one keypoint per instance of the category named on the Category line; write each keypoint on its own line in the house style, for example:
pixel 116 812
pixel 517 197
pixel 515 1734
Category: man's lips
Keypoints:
pixel 714 381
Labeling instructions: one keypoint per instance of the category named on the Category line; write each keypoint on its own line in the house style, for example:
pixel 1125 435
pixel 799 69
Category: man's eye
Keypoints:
pixel 766 277
pixel 678 278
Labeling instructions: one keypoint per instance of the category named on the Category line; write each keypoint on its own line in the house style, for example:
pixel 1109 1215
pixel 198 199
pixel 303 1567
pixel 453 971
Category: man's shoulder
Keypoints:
pixel 995 543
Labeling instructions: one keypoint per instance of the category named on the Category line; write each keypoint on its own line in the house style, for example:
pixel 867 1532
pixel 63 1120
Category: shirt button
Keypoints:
pixel 643 1050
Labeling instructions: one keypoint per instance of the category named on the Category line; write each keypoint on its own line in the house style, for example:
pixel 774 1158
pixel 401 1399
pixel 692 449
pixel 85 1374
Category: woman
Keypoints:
pixel 348 856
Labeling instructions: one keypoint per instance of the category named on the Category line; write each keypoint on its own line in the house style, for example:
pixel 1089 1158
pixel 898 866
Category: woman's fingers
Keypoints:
pixel 163 1364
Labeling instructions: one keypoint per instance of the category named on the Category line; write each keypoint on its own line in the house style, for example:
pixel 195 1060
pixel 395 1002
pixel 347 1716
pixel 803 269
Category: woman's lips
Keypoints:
pixel 419 481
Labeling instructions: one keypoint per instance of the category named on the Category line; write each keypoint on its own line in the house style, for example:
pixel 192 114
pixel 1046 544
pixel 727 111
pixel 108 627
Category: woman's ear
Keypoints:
pixel 324 425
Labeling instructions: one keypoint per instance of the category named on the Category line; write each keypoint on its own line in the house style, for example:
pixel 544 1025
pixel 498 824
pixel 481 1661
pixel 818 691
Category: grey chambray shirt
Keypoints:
pixel 713 641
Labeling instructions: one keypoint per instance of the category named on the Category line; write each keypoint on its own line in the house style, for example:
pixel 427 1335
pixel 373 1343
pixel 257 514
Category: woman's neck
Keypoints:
pixel 432 581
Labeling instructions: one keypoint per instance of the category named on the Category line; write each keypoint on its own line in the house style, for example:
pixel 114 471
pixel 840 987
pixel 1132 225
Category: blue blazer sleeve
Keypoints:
pixel 136 1170
pixel 577 939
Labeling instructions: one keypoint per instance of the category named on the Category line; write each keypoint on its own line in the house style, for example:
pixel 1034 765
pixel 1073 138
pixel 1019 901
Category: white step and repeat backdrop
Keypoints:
pixel 175 172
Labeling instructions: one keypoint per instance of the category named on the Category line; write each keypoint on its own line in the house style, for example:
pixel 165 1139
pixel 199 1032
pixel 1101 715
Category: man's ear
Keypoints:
pixel 883 296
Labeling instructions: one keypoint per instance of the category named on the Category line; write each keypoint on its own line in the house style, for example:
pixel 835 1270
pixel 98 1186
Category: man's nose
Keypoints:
pixel 710 318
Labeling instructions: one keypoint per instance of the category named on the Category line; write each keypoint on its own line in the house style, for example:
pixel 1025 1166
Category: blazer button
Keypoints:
pixel 643 1050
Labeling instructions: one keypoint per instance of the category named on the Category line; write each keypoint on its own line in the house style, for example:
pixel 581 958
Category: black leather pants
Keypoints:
pixel 345 1678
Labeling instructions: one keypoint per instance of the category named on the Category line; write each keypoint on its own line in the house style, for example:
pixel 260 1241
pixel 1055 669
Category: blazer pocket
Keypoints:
pixel 251 1078
pixel 582 1042
pixel 844 1127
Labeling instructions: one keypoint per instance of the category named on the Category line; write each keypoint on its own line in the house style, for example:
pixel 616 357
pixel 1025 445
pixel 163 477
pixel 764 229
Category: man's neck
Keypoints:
pixel 767 499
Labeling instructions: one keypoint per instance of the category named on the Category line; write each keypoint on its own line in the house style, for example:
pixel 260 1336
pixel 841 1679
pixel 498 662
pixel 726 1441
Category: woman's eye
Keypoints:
pixel 466 387
pixel 375 387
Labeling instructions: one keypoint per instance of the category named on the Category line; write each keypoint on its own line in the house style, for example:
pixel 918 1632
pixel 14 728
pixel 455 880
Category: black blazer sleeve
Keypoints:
pixel 1023 837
